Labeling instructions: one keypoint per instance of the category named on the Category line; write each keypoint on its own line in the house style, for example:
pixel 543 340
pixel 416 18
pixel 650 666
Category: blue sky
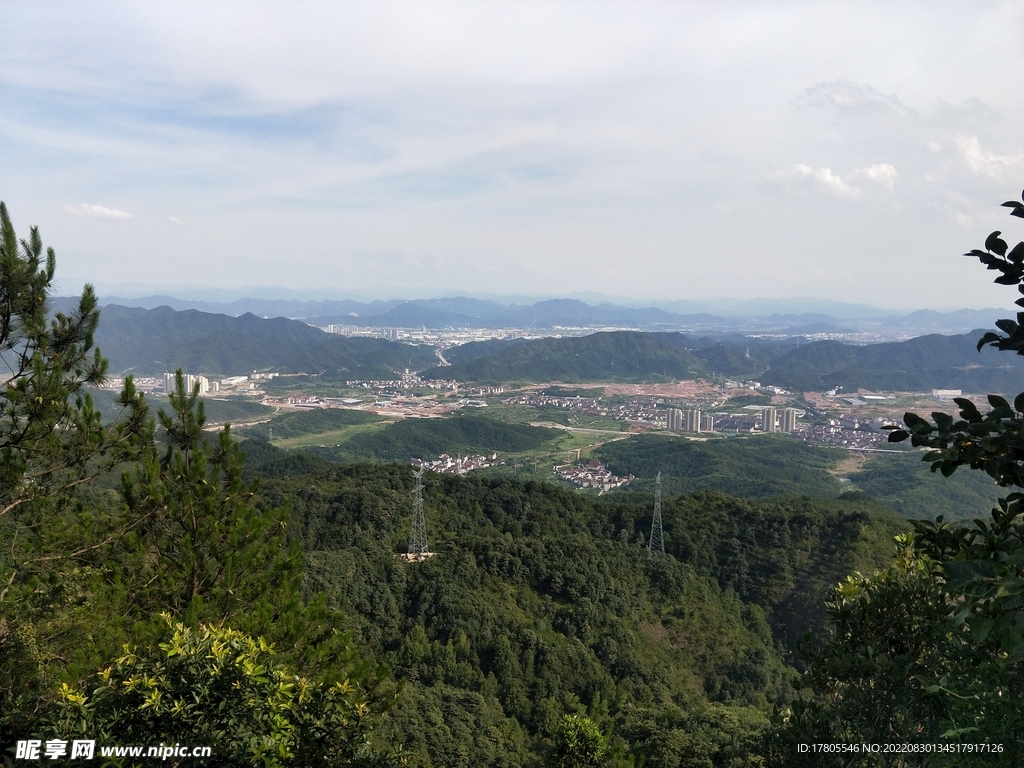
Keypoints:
pixel 647 150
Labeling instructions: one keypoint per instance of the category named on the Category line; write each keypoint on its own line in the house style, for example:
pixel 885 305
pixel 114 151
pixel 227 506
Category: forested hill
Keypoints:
pixel 151 341
pixel 927 362
pixel 754 467
pixel 541 601
pixel 424 438
pixel 920 364
pixel 612 356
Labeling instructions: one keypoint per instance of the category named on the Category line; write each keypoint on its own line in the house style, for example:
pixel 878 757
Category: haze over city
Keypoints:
pixel 647 151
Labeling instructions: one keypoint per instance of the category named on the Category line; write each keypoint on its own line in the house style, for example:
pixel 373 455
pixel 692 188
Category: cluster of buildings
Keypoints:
pixel 592 475
pixel 391 334
pixel 191 381
pixel 689 420
pixel 579 404
pixel 459 465
pixel 303 401
pixel 639 408
pixel 855 434
pixel 770 419
pixel 482 391
pixel 773 420
pixel 166 383
pixel 407 381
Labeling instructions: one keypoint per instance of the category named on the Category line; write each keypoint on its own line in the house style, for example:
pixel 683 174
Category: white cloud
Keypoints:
pixel 852 98
pixel 970 111
pixel 985 163
pixel 96 211
pixel 802 177
pixel 880 173
pixel 487 131
pixel 174 220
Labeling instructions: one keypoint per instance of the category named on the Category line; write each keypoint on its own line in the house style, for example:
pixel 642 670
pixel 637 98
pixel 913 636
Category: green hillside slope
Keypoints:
pixel 425 438
pixel 754 467
pixel 314 422
pixel 921 364
pixel 340 358
pixel 904 482
pixel 149 342
pixel 613 356
pixel 542 602
pixel 218 410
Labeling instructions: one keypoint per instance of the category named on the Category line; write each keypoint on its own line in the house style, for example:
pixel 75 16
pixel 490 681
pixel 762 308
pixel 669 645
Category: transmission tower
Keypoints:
pixel 657 541
pixel 418 548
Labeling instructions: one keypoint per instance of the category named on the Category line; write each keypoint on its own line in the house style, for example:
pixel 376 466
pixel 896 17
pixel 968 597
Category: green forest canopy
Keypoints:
pixel 542 602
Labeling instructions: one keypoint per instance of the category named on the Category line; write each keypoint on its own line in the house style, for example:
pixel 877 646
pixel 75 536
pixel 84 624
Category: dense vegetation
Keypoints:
pixel 931 649
pixel 427 438
pixel 219 410
pixel 916 365
pixel 342 359
pixel 184 605
pixel 541 602
pixel 113 604
pixel 904 483
pixel 755 467
pixel 920 364
pixel 314 422
pixel 764 465
pixel 615 356
pixel 152 341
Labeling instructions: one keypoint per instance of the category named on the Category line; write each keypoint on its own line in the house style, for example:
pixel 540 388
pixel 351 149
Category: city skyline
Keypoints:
pixel 645 151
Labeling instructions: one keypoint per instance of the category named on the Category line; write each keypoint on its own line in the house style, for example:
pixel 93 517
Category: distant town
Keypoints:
pixel 698 410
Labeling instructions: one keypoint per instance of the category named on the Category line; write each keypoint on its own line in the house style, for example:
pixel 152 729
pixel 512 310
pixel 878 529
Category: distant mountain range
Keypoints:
pixel 760 316
pixel 920 364
pixel 151 341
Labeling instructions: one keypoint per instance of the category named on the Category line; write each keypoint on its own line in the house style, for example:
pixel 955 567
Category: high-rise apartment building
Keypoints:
pixel 190 381
pixel 691 420
pixel 674 420
pixel 768 419
pixel 787 421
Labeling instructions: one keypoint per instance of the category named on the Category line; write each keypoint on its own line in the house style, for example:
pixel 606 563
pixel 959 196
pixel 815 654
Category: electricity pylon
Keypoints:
pixel 418 548
pixel 657 541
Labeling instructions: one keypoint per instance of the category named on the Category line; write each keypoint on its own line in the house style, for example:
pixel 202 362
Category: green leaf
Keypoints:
pixel 980 628
pixel 995 244
pixel 998 402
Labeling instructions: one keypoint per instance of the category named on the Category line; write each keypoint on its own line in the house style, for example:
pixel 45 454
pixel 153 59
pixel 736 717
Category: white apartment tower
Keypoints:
pixel 788 420
pixel 190 382
pixel 674 420
pixel 768 419
pixel 691 420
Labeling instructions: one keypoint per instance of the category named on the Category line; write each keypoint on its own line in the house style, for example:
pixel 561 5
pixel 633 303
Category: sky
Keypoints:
pixel 650 151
